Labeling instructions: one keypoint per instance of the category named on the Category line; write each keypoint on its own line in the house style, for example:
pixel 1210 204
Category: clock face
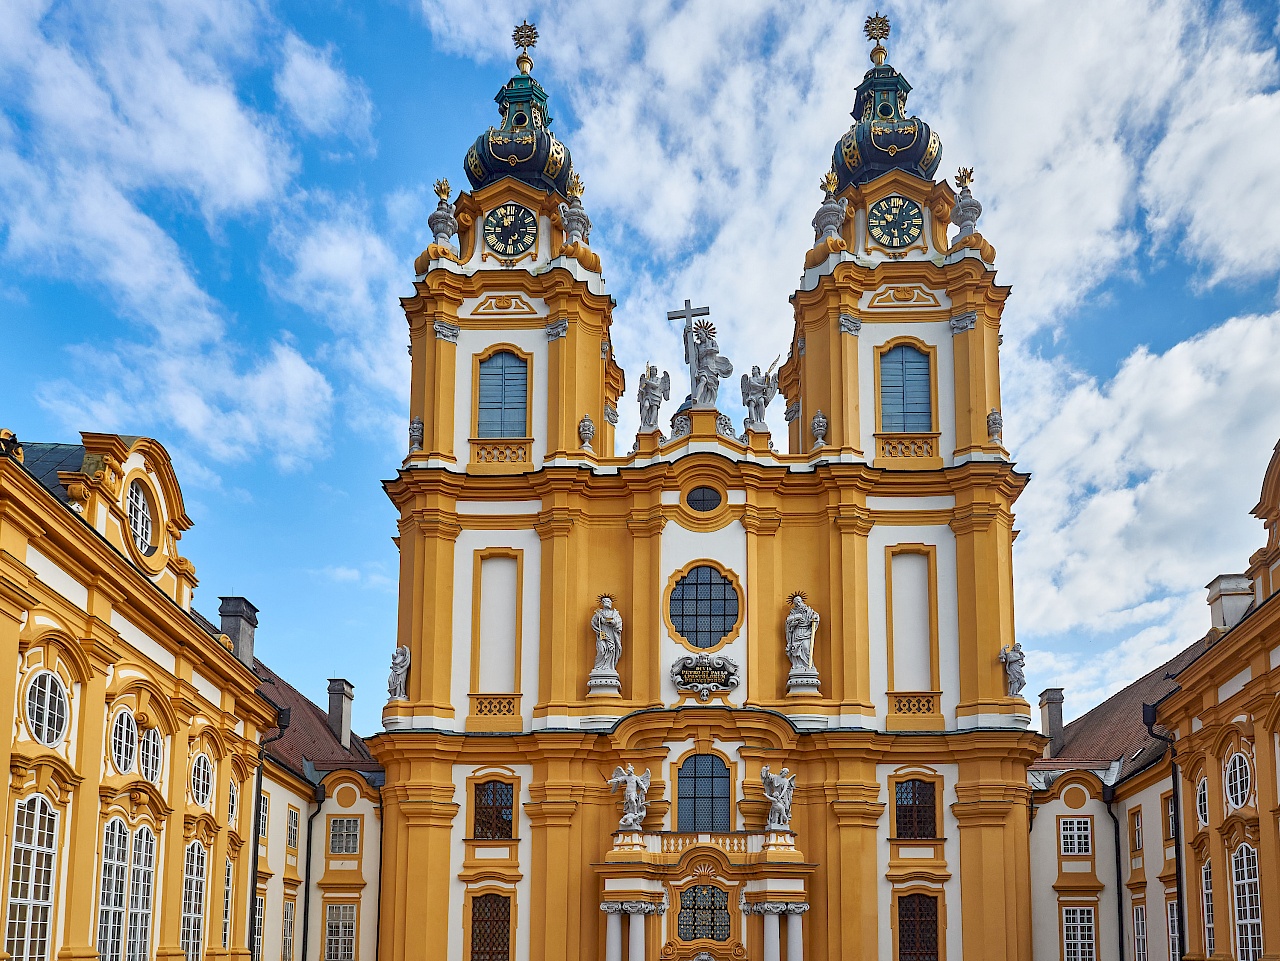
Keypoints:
pixel 510 230
pixel 895 222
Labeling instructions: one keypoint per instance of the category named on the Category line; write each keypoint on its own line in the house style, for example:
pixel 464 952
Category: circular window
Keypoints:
pixel 885 110
pixel 47 708
pixel 1202 800
pixel 202 780
pixel 704 606
pixel 151 755
pixel 139 511
pixel 1237 780
pixel 520 119
pixel 124 742
pixel 703 499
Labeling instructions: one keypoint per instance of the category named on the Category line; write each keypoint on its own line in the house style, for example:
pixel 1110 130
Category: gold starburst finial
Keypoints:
pixel 964 177
pixel 830 181
pixel 443 189
pixel 877 28
pixel 575 188
pixel 525 36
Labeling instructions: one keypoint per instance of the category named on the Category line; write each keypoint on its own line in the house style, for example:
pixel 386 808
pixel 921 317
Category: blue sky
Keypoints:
pixel 209 208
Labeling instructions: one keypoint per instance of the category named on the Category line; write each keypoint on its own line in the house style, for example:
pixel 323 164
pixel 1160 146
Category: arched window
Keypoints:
pixel 1247 903
pixel 193 884
pixel 202 779
pixel 1202 803
pixel 906 398
pixel 228 882
pixel 31 879
pixel 504 383
pixel 491 928
pixel 142 876
pixel 493 810
pixel 115 864
pixel 917 928
pixel 916 814
pixel 703 801
pixel 138 508
pixel 1206 900
pixel 124 742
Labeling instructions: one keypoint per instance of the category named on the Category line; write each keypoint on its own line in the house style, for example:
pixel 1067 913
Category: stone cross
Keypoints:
pixel 687 313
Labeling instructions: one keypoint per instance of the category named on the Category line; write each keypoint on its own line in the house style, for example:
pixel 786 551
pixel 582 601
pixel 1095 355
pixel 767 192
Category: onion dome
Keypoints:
pixel 883 137
pixel 523 146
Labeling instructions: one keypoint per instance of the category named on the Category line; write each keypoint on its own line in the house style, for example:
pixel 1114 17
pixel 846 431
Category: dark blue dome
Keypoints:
pixel 883 137
pixel 523 146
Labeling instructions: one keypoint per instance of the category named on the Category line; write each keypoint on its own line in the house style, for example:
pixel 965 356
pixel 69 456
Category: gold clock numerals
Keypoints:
pixel 895 222
pixel 510 230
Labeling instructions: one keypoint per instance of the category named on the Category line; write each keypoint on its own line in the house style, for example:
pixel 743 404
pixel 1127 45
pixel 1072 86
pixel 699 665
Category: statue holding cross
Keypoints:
pixel 702 353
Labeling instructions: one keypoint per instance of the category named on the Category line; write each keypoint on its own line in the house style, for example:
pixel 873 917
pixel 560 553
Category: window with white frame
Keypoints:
pixel 1206 902
pixel 1175 942
pixel 339 932
pixel 1202 801
pixel 259 909
pixel 1077 935
pixel 264 810
pixel 1076 835
pixel 124 742
pixel 227 884
pixel 1247 902
pixel 138 508
pixel 47 708
pixel 291 829
pixel 344 836
pixel 1170 818
pixel 1135 830
pixel 115 867
pixel 28 936
pixel 1139 932
pixel 193 885
pixel 1238 780
pixel 142 882
pixel 202 779
pixel 233 802
pixel 286 931
pixel 151 755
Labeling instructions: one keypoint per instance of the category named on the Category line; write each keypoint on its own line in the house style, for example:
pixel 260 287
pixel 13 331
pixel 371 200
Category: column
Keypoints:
pixel 612 932
pixel 772 940
pixel 635 932
pixel 795 931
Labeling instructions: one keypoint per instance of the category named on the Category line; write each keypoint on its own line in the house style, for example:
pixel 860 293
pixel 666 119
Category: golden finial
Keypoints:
pixel 525 36
pixel 964 177
pixel 877 28
pixel 830 181
pixel 575 187
pixel 443 189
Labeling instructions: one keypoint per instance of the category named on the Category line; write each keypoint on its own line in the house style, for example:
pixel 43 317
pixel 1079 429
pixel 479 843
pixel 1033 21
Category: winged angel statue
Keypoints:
pixel 634 797
pixel 757 391
pixel 653 391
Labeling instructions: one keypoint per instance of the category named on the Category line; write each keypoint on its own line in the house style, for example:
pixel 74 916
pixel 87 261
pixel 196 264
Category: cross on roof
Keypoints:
pixel 688 312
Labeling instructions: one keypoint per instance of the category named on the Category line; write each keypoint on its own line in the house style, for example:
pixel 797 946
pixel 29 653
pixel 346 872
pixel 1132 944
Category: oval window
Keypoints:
pixel 703 499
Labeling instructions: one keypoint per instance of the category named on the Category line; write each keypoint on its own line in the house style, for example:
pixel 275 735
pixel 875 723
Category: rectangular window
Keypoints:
pixel 1077 935
pixel 31 879
pixel 917 928
pixel 286 931
pixel 502 405
pixel 226 905
pixel 1076 835
pixel 1170 818
pixel 193 883
pixel 264 809
pixel 344 836
pixel 492 814
pixel 1139 932
pixel 1175 951
pixel 915 813
pixel 491 928
pixel 291 830
pixel 1206 895
pixel 906 396
pixel 1135 831
pixel 340 932
pixel 1248 904
pixel 259 908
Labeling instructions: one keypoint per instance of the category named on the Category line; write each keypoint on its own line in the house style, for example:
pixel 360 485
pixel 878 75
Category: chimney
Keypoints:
pixel 1051 718
pixel 340 695
pixel 1229 598
pixel 239 618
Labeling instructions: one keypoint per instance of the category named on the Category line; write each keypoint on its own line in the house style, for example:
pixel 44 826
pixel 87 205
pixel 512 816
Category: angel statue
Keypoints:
pixel 606 622
pixel 801 628
pixel 653 391
pixel 778 788
pixel 702 354
pixel 634 796
pixel 399 674
pixel 1012 658
pixel 758 391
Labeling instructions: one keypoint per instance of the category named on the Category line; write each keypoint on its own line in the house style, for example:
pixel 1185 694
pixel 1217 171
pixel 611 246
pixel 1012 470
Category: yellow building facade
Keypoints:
pixel 707 699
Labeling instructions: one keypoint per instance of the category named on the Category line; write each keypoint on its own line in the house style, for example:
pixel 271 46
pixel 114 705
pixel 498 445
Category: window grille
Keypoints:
pixel 259 909
pixel 1206 900
pixel 344 836
pixel 138 509
pixel 1248 906
pixel 1238 780
pixel 286 931
pixel 915 810
pixel 202 780
pixel 1077 835
pixel 151 755
pixel 906 397
pixel 1139 932
pixel 703 499
pixel 227 884
pixel 47 708
pixel 918 928
pixel 291 829
pixel 492 817
pixel 1077 935
pixel 1175 950
pixel 115 865
pixel 1202 801
pixel 703 606
pixel 142 875
pixel 704 913
pixel 504 383
pixel 124 742
pixel 31 880
pixel 193 884
pixel 491 928
pixel 703 801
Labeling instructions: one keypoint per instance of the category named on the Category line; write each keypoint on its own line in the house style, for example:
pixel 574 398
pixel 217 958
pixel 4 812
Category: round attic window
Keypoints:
pixel 703 499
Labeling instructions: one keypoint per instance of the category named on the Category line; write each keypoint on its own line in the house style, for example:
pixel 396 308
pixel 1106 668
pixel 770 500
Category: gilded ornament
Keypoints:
pixel 575 188
pixel 555 158
pixel 830 182
pixel 964 177
pixel 442 189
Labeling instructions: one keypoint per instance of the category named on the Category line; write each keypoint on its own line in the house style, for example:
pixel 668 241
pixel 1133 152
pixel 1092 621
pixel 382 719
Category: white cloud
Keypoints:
pixel 321 97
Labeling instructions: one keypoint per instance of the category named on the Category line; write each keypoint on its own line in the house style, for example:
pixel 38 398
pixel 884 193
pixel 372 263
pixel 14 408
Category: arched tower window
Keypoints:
pixel 915 809
pixel 703 800
pixel 503 402
pixel 906 398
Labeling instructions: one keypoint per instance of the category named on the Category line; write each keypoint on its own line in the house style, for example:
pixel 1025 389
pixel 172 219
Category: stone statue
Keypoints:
pixel 399 674
pixel 758 390
pixel 443 223
pixel 778 788
pixel 653 391
pixel 707 367
pixel 586 431
pixel 606 622
pixel 801 630
pixel 995 427
pixel 819 428
pixel 635 802
pixel 1012 658
pixel 415 434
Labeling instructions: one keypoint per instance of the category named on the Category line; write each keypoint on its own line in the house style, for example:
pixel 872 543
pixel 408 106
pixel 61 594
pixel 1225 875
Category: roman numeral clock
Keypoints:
pixel 895 222
pixel 510 230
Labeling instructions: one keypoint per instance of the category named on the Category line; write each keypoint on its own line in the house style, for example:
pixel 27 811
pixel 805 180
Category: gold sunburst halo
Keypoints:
pixel 791 598
pixel 705 325
pixel 525 35
pixel 877 27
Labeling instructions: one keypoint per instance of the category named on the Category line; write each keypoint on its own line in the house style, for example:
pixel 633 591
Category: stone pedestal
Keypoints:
pixel 604 684
pixel 802 683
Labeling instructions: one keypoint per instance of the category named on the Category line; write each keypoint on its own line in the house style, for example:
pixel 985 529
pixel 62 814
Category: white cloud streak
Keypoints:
pixel 320 96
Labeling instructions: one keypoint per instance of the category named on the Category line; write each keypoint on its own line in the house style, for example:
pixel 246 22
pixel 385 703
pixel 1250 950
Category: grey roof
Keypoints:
pixel 43 461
